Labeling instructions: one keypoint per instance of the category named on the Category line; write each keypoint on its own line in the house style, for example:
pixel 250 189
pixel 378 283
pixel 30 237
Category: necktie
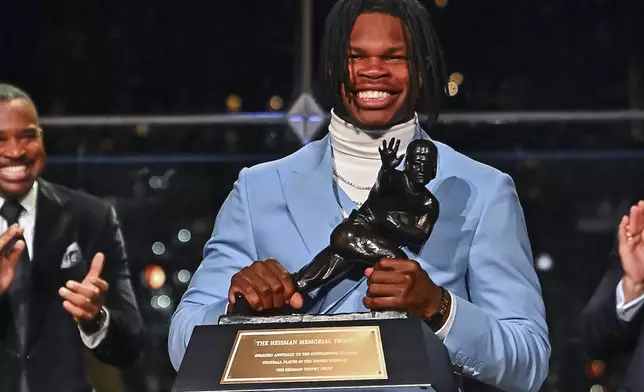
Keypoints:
pixel 20 288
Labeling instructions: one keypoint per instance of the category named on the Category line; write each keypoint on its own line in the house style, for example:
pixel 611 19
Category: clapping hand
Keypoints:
pixel 631 251
pixel 9 255
pixel 83 300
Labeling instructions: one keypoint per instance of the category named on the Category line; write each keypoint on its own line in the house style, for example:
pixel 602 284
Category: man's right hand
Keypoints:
pixel 9 256
pixel 631 252
pixel 266 285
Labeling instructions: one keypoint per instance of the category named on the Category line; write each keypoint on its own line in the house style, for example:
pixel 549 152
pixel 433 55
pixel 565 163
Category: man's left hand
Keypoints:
pixel 401 285
pixel 84 300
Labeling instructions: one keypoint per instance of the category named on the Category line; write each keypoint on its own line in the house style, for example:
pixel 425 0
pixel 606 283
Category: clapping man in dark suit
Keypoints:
pixel 64 281
pixel 613 320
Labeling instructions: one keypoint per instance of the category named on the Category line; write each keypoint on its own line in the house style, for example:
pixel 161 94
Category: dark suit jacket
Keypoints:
pixel 55 356
pixel 608 338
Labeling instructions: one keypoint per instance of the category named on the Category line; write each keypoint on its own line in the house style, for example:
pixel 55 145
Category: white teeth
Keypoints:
pixel 373 95
pixel 14 169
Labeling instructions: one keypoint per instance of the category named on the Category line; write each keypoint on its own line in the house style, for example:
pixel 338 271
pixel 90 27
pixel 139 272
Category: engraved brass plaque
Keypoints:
pixel 306 355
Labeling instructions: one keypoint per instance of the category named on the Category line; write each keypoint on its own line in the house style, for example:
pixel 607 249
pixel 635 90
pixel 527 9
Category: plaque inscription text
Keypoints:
pixel 306 355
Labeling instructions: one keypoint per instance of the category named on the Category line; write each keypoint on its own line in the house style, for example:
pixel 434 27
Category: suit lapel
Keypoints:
pixel 308 192
pixel 53 224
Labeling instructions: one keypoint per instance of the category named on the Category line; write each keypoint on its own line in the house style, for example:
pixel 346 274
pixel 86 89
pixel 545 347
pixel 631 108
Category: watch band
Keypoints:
pixel 438 319
pixel 94 325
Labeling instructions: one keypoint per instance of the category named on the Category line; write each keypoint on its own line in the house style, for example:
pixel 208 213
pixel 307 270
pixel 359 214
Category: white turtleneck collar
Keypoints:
pixel 348 139
pixel 356 160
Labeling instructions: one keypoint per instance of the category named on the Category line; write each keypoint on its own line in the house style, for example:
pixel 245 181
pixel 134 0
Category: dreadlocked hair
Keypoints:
pixel 424 53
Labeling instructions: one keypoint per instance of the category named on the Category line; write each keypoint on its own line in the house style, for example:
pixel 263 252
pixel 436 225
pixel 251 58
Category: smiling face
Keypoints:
pixel 22 152
pixel 378 72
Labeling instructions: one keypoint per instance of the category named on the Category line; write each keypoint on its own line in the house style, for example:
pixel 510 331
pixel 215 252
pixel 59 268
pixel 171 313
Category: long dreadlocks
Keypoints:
pixel 425 56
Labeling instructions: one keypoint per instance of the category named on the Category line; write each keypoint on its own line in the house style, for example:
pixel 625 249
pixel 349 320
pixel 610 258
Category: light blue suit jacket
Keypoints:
pixel 479 250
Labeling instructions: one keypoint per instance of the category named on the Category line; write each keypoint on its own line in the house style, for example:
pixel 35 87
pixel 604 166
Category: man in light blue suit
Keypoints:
pixel 381 61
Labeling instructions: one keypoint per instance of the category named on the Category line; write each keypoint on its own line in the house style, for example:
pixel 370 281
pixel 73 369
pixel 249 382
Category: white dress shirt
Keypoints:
pixel 626 311
pixel 356 159
pixel 27 220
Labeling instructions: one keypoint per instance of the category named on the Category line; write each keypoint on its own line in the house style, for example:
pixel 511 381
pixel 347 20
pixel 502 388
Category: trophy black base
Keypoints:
pixel 415 359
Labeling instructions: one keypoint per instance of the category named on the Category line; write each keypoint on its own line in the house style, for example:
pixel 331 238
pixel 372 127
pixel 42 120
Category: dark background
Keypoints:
pixel 575 179
pixel 93 57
